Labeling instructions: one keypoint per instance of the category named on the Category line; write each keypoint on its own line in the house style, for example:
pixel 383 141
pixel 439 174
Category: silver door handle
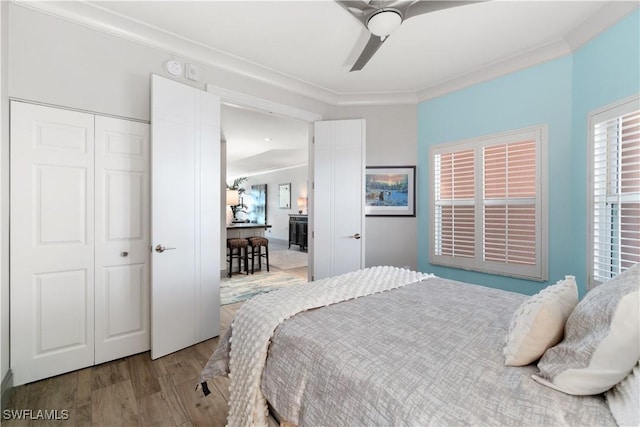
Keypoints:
pixel 356 236
pixel 161 248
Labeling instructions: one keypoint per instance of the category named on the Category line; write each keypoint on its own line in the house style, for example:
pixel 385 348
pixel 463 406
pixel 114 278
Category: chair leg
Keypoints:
pixel 229 262
pixel 253 259
pixel 239 258
pixel 246 260
pixel 266 255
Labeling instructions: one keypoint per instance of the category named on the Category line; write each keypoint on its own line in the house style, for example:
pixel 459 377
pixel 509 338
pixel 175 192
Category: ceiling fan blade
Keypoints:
pixel 369 50
pixel 358 9
pixel 421 7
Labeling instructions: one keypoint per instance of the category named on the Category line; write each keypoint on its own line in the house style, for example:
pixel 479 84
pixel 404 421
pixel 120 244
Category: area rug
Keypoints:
pixel 241 287
pixel 287 259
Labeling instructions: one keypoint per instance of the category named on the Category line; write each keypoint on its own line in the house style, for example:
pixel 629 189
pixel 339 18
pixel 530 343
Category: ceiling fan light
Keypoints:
pixel 384 22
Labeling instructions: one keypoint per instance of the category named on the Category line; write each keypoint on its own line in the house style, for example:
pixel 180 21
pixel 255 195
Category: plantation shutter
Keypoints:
pixel 616 194
pixel 489 202
pixel 455 204
pixel 509 202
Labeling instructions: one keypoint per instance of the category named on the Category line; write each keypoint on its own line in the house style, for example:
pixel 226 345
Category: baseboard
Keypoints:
pixel 7 386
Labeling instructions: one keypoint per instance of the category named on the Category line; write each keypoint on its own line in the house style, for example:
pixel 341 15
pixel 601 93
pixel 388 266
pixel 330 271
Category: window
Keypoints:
pixel 487 204
pixel 614 134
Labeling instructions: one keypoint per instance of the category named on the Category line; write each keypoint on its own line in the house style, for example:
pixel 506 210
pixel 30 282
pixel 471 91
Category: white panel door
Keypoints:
pixel 122 322
pixel 185 210
pixel 52 241
pixel 338 191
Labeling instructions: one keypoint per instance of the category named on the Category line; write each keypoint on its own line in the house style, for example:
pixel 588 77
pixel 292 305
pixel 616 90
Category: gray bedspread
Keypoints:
pixel 427 354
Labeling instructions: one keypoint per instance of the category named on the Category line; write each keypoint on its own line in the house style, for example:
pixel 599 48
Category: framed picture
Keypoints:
pixel 390 191
pixel 284 196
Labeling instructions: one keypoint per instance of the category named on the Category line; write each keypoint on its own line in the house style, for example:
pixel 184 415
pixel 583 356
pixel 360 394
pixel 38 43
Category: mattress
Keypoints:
pixel 425 353
pixel 428 353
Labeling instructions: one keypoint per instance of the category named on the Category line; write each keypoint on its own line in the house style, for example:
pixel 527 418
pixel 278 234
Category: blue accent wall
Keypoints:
pixel 558 94
pixel 605 70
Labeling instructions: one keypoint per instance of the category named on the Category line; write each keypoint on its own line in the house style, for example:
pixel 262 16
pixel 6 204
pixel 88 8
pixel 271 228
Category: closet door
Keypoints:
pixel 52 241
pixel 122 238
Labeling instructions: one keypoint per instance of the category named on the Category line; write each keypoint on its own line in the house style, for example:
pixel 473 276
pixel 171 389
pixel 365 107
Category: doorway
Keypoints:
pixel 269 148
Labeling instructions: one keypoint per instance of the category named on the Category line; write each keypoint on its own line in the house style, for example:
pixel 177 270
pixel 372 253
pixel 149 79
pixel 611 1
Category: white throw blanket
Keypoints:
pixel 258 318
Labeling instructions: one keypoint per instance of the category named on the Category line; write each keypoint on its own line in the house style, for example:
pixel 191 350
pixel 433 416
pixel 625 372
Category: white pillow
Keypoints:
pixel 602 339
pixel 539 322
pixel 624 399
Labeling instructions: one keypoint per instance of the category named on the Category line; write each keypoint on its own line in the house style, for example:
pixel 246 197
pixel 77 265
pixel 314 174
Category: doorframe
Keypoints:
pixel 242 100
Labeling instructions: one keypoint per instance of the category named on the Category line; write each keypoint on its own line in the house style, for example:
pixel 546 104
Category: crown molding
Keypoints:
pixel 497 69
pixel 605 17
pixel 93 16
pixel 97 18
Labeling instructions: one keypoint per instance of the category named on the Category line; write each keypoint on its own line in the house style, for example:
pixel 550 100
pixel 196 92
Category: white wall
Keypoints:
pixel 60 62
pixel 4 196
pixel 392 140
pixel 63 63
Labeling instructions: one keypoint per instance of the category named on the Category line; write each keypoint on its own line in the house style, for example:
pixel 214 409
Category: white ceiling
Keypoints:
pixel 313 44
pixel 248 151
pixel 308 47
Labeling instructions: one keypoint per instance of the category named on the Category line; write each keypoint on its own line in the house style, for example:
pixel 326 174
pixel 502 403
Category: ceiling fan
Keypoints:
pixel 382 17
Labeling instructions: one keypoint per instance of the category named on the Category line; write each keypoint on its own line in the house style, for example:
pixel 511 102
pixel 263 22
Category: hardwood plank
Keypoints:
pixel 178 411
pixel 168 422
pixel 186 367
pixel 158 365
pixel 154 409
pixel 222 384
pixel 205 349
pixel 110 373
pixel 61 392
pixel 85 386
pixel 83 415
pixel 132 391
pixel 144 377
pixel 114 405
pixel 203 410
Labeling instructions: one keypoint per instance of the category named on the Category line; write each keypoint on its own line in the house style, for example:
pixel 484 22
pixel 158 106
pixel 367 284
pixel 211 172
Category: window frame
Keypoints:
pixel 610 111
pixel 537 272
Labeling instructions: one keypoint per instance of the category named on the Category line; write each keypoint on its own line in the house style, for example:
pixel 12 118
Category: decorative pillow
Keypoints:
pixel 624 399
pixel 539 322
pixel 601 339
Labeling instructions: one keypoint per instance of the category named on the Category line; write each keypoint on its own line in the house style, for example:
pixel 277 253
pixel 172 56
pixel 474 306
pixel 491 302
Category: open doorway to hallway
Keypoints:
pixel 267 154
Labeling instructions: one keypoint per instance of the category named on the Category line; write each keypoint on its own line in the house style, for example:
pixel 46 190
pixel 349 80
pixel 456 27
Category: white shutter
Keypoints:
pixel 509 199
pixel 615 191
pixel 455 210
pixel 488 204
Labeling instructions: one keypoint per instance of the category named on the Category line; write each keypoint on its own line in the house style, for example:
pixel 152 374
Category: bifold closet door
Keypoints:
pixel 121 238
pixel 52 241
pixel 79 240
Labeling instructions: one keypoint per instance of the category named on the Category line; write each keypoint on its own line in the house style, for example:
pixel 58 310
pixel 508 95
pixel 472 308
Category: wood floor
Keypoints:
pixel 133 391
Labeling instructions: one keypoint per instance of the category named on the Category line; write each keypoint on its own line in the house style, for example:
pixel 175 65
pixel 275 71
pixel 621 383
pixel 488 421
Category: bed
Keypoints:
pixel 388 346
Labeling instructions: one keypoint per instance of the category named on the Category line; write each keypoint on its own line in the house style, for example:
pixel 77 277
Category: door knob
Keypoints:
pixel 124 254
pixel 161 248
pixel 356 236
